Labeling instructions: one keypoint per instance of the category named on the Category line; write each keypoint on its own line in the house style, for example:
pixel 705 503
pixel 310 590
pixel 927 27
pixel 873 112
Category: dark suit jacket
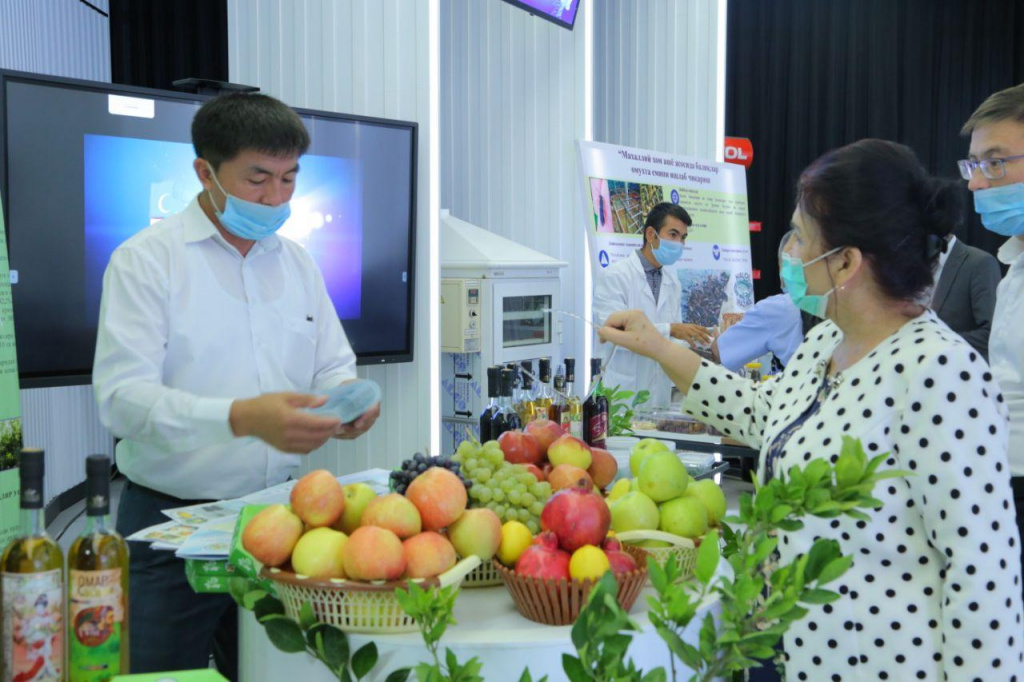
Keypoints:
pixel 965 295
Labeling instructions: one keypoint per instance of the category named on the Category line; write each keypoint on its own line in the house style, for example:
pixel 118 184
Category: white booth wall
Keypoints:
pixel 70 40
pixel 370 58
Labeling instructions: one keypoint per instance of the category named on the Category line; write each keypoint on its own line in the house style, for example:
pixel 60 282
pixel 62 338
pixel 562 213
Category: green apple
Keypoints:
pixel 357 496
pixel 685 516
pixel 320 553
pixel 634 511
pixel 662 477
pixel 711 495
pixel 621 487
pixel 642 450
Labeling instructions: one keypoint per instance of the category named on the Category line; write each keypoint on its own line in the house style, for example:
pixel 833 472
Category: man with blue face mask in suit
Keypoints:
pixel 640 282
pixel 995 174
pixel 215 337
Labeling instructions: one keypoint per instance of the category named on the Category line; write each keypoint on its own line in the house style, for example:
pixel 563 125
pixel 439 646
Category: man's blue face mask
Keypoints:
pixel 668 252
pixel 247 219
pixel 1002 209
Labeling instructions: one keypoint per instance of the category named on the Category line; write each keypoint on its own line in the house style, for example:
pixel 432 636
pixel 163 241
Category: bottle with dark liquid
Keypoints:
pixel 97 587
pixel 493 388
pixel 595 409
pixel 575 404
pixel 559 410
pixel 32 588
pixel 505 418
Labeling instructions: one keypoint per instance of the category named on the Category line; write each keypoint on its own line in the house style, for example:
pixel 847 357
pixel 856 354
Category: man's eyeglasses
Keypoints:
pixel 993 169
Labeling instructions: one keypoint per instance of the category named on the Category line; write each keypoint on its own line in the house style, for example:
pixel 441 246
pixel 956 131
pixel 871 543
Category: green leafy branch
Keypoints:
pixel 621 408
pixel 326 642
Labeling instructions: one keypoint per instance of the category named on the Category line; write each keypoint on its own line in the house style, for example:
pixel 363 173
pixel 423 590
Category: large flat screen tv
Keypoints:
pixel 561 12
pixel 84 165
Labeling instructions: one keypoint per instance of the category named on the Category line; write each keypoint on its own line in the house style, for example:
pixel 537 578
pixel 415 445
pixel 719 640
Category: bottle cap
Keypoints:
pixel 493 381
pixel 570 370
pixel 31 465
pixel 97 485
pixel 545 370
pixel 595 366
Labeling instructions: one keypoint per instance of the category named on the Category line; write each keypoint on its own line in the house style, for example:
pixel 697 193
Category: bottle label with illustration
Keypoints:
pixel 598 430
pixel 33 626
pixel 95 618
pixel 576 426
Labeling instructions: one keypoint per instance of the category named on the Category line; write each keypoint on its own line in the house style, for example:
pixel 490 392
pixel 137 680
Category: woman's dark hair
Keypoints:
pixel 875 195
pixel 230 124
pixel 657 215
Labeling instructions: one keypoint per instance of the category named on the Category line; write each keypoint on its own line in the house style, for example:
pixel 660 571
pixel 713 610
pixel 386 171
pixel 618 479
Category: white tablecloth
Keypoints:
pixel 489 627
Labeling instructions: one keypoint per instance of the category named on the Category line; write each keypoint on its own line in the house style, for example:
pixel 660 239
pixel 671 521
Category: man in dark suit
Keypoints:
pixel 965 292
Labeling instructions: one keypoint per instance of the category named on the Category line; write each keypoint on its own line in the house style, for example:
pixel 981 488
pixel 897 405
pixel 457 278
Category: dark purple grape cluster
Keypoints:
pixel 411 468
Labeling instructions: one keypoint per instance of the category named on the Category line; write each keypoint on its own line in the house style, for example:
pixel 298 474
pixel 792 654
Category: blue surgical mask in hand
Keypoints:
pixel 349 401
pixel 668 252
pixel 247 219
pixel 1002 209
pixel 795 284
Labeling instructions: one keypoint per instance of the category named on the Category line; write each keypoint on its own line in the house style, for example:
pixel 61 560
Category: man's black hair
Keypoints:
pixel 658 214
pixel 227 125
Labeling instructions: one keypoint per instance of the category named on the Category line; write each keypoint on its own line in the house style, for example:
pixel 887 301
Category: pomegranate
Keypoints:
pixel 544 560
pixel 520 448
pixel 622 562
pixel 577 516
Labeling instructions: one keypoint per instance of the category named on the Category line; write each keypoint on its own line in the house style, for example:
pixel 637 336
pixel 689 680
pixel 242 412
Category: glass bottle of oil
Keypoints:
pixel 32 585
pixel 545 397
pixel 97 587
pixel 527 405
pixel 575 404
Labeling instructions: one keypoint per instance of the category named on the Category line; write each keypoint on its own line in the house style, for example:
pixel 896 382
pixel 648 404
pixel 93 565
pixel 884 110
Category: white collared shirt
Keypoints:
pixel 187 326
pixel 1005 350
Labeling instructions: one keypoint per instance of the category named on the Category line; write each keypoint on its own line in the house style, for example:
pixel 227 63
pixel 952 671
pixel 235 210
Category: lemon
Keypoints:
pixel 515 538
pixel 588 563
pixel 620 488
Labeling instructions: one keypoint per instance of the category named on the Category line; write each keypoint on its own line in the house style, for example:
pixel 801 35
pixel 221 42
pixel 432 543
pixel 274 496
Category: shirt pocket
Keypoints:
pixel 298 358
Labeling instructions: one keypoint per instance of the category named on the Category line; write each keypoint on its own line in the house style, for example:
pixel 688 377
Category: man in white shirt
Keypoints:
pixel 214 335
pixel 995 173
pixel 639 282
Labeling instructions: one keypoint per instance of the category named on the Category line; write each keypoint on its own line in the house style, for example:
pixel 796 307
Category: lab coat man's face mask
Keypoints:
pixel 667 252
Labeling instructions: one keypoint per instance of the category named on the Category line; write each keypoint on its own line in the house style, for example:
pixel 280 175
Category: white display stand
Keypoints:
pixel 489 627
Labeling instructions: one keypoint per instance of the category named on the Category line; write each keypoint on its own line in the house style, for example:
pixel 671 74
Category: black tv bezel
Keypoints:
pixel 84 377
pixel 547 17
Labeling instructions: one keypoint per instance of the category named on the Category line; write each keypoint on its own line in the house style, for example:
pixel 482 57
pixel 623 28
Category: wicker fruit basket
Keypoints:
pixel 484 575
pixel 369 608
pixel 558 602
pixel 684 549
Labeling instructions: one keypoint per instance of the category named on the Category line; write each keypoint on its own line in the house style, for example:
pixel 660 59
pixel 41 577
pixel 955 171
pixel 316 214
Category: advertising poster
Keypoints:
pixel 10 403
pixel 622 184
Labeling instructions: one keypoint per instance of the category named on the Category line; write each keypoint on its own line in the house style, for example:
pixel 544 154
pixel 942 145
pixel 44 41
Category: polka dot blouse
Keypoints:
pixel 934 592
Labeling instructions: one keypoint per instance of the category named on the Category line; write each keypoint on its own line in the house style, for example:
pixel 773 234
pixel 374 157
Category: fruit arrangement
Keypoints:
pixel 417 464
pixel 512 491
pixel 334 532
pixel 550 577
pixel 553 455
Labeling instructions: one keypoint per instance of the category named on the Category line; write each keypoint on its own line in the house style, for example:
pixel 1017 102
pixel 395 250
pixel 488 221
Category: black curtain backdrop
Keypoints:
pixel 156 42
pixel 806 76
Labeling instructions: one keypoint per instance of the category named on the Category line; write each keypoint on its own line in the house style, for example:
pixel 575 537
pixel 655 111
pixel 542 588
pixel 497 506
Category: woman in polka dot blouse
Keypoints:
pixel 934 592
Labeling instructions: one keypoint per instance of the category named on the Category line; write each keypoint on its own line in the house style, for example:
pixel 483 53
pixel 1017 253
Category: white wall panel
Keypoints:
pixel 55 37
pixel 655 74
pixel 67 39
pixel 512 108
pixel 366 57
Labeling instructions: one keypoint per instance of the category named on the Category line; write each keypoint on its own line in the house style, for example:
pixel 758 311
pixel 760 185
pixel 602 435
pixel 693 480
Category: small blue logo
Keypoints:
pixel 716 252
pixel 602 258
pixel 675 197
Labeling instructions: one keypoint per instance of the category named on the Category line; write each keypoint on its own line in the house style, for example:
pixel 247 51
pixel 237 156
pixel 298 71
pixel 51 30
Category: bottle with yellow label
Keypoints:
pixel 97 587
pixel 32 585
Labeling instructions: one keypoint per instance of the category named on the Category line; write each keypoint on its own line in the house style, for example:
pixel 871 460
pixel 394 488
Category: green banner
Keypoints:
pixel 10 402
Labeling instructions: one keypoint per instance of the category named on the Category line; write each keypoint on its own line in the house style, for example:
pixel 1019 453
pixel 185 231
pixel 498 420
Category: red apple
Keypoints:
pixel 620 561
pixel 544 560
pixel 578 516
pixel 569 450
pixel 603 467
pixel 545 431
pixel 520 448
pixel 536 471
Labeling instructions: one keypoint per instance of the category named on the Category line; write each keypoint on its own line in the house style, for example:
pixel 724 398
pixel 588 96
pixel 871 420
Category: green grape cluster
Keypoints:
pixel 509 490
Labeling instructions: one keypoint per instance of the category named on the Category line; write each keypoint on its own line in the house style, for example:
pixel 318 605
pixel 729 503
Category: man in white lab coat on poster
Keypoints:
pixel 639 282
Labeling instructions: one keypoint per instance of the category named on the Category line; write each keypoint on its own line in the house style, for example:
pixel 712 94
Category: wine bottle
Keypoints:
pixel 544 396
pixel 32 585
pixel 505 418
pixel 493 389
pixel 559 410
pixel 575 404
pixel 97 587
pixel 595 409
